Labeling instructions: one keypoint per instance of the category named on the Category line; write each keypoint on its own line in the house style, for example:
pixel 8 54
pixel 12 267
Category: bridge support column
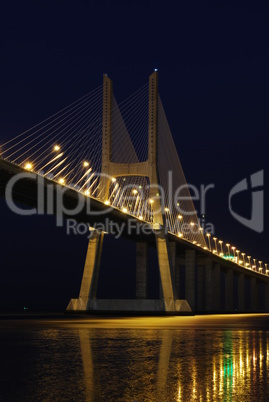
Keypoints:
pixel 216 288
pixel 266 301
pixel 200 288
pixel 141 270
pixel 172 252
pixel 241 292
pixel 190 278
pixel 173 255
pixel 89 281
pixel 253 294
pixel 208 285
pixel 177 278
pixel 229 304
pixel 165 269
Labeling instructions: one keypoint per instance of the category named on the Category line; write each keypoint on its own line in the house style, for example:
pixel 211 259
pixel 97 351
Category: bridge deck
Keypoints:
pixel 26 190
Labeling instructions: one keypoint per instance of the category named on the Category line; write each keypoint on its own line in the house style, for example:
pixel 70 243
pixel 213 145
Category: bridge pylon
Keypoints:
pixel 168 301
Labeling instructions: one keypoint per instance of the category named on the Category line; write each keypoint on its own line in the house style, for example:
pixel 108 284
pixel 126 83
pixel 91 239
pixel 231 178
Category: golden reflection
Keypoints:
pixel 164 359
pixel 86 353
pixel 171 364
pixel 179 396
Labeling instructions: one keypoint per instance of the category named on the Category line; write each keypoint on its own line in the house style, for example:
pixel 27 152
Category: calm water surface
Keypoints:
pixel 202 358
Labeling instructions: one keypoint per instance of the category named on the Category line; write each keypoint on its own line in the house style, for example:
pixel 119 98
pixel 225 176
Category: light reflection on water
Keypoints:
pixel 84 362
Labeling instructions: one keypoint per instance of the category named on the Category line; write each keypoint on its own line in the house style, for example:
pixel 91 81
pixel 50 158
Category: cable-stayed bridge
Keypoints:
pixel 121 161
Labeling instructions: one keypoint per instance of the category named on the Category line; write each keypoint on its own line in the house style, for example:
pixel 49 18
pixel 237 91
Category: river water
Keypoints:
pixel 195 358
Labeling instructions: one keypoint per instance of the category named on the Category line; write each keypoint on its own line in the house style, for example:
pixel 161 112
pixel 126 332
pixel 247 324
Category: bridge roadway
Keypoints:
pixel 25 193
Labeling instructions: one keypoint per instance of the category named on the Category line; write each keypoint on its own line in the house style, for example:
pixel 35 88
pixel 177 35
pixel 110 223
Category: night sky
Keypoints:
pixel 213 64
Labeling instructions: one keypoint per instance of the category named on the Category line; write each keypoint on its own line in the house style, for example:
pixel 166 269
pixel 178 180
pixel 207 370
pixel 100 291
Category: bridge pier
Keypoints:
pixel 88 288
pixel 141 270
pixel 200 288
pixel 87 301
pixel 173 257
pixel 266 297
pixel 216 286
pixel 166 270
pixel 177 277
pixel 241 292
pixel 202 282
pixel 253 294
pixel 208 285
pixel 190 278
pixel 229 303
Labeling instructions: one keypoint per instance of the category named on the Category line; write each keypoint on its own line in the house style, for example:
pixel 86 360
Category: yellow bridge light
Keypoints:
pixel 85 164
pixel 107 202
pixel 180 217
pixel 140 217
pixel 124 210
pixel 135 191
pixel 61 181
pixel 166 209
pixel 151 201
pixel 87 192
pixel 113 179
pixel 28 166
pixel 56 148
pixel 180 234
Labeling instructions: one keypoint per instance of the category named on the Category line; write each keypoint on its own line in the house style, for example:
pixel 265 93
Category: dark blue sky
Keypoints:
pixel 213 66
